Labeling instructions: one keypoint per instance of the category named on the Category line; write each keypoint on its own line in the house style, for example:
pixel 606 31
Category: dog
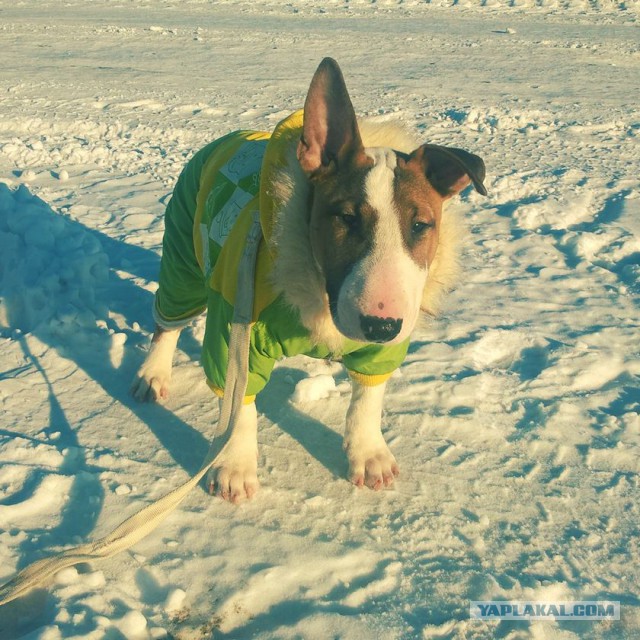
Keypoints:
pixel 355 246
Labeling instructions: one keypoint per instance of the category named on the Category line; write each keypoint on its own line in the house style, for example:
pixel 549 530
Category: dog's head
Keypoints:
pixel 375 213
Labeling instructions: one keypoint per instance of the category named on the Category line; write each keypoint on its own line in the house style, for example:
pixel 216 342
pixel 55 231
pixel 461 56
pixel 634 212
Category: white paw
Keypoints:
pixel 234 476
pixel 151 383
pixel 371 465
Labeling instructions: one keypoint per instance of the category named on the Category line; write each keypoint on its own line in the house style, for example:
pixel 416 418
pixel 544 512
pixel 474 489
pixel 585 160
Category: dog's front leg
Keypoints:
pixel 234 475
pixel 151 382
pixel 371 463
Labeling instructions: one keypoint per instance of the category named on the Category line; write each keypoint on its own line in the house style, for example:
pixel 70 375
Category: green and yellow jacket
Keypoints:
pixel 206 223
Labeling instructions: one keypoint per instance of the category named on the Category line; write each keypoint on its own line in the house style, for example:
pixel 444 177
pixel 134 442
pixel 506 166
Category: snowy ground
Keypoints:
pixel 515 419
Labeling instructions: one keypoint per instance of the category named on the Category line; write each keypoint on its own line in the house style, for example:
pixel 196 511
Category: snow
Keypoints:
pixel 51 267
pixel 515 419
pixel 314 388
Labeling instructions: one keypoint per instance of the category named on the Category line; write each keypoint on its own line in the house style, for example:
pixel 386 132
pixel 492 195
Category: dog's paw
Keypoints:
pixel 234 476
pixel 372 466
pixel 151 384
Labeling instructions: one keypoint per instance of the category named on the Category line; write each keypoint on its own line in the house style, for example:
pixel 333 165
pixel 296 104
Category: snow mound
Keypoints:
pixel 50 267
pixel 314 388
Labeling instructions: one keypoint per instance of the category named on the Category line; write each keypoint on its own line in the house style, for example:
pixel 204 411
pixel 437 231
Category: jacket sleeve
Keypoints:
pixel 373 364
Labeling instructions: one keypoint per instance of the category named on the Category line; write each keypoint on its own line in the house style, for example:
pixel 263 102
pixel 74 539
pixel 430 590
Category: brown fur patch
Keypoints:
pixel 417 203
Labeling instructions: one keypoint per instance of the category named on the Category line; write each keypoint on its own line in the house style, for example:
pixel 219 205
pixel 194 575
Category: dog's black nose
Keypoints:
pixel 377 329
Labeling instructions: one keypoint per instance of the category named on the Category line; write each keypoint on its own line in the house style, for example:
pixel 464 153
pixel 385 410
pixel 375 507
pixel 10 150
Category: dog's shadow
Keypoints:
pixel 321 442
pixel 89 348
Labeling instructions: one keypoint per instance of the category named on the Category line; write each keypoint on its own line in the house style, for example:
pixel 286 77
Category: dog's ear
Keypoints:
pixel 450 170
pixel 330 130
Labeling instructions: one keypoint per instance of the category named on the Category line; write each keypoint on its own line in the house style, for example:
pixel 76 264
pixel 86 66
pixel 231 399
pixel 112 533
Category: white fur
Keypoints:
pixel 371 463
pixel 386 283
pixel 234 475
pixel 151 383
pixel 444 270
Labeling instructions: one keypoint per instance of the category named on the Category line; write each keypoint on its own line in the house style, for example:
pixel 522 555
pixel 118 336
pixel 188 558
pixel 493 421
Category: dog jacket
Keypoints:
pixel 206 223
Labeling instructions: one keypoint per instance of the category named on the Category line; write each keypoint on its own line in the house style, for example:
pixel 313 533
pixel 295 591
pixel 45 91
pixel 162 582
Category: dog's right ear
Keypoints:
pixel 330 131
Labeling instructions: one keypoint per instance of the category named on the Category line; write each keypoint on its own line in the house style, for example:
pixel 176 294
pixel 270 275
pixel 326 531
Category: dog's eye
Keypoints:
pixel 349 220
pixel 419 228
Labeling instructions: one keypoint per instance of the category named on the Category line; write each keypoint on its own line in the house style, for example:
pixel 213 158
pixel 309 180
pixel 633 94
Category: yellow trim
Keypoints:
pixel 220 393
pixel 369 380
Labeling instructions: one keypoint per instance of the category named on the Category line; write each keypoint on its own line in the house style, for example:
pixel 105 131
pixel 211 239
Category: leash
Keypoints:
pixel 147 519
